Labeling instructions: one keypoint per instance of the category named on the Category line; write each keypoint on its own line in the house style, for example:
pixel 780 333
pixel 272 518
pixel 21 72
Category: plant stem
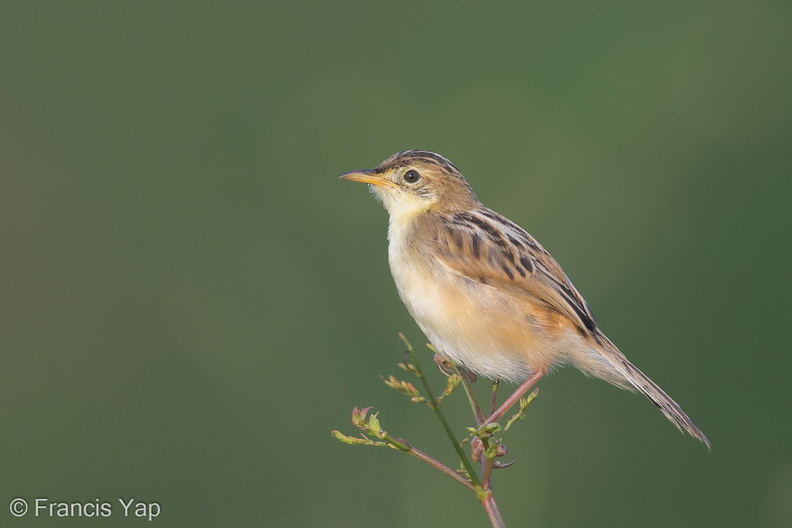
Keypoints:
pixel 483 487
pixel 494 399
pixel 436 408
pixel 493 512
pixel 420 455
pixel 471 396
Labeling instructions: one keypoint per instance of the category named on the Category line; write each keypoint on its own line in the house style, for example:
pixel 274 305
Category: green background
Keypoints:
pixel 191 299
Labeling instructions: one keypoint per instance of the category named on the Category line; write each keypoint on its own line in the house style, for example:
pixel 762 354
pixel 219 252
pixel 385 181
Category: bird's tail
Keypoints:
pixel 626 375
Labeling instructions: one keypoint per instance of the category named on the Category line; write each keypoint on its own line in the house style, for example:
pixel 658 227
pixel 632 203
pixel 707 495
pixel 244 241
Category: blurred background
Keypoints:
pixel 191 299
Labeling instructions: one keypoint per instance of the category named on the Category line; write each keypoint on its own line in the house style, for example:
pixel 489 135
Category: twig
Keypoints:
pixel 436 408
pixel 485 440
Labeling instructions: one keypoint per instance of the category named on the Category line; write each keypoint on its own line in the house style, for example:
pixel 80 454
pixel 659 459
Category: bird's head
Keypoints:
pixel 414 181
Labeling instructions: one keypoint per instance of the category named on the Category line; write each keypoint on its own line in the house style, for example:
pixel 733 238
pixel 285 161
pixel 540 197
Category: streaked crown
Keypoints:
pixel 411 181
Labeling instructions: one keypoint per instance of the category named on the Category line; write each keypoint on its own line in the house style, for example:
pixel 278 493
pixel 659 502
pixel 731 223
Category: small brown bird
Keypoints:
pixel 487 295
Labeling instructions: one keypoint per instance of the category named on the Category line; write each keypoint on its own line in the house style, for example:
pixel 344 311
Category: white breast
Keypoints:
pixel 453 311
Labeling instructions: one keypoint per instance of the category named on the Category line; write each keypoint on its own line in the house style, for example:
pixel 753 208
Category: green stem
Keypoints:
pixel 436 408
pixel 494 399
pixel 471 396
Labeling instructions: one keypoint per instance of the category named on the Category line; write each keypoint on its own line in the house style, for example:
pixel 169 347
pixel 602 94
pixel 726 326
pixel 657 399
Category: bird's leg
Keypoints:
pixel 515 397
pixel 447 369
pixel 442 364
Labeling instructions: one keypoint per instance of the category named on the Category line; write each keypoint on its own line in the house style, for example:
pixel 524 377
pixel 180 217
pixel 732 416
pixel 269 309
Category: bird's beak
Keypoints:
pixel 368 176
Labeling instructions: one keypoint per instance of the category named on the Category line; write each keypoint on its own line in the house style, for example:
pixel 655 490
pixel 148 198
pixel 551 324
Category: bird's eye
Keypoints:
pixel 411 176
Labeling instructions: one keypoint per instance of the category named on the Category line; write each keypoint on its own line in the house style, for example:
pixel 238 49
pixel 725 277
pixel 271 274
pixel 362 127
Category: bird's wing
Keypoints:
pixel 486 247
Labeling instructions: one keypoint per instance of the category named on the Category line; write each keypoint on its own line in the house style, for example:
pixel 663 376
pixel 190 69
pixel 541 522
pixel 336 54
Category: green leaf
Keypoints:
pixel 374 425
pixel 351 440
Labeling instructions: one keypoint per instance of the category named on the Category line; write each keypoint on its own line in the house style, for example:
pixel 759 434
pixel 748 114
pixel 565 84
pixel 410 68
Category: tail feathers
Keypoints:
pixel 669 407
pixel 632 378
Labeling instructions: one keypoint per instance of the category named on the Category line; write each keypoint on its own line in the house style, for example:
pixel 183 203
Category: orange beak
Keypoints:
pixel 368 176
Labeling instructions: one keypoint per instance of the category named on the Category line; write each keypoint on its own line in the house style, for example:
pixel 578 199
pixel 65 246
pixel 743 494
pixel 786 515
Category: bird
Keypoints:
pixel 485 293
